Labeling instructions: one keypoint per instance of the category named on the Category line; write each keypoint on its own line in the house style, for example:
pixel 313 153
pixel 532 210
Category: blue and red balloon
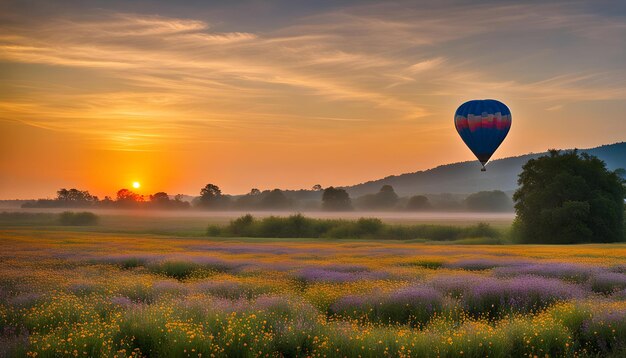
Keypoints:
pixel 483 125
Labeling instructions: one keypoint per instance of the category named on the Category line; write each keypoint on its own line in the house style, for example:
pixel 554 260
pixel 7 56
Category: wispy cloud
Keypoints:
pixel 558 107
pixel 377 64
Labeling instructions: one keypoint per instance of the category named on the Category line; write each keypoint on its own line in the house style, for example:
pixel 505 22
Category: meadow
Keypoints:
pixel 68 291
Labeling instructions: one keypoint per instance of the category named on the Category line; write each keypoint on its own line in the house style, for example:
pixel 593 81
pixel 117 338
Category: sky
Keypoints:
pixel 288 94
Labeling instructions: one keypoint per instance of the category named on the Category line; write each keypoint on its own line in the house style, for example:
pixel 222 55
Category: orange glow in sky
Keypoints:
pixel 276 96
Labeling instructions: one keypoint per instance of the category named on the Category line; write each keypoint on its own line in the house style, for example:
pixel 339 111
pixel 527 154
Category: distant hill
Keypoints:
pixel 466 177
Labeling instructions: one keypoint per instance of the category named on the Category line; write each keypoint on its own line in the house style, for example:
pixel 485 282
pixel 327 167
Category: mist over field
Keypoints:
pixel 392 216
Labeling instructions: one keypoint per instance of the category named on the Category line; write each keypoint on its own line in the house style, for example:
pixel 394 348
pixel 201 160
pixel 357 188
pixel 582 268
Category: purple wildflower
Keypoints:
pixel 607 282
pixel 163 287
pixel 456 285
pixel 414 305
pixel 223 289
pixel 121 301
pixel 519 294
pixel 561 270
pixel 25 299
pixel 483 264
pixel 314 274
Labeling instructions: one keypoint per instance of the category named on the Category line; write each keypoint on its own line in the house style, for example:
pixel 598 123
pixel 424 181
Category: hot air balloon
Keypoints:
pixel 483 125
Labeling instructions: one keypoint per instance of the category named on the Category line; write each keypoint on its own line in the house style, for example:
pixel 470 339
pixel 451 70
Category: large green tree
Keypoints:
pixel 569 197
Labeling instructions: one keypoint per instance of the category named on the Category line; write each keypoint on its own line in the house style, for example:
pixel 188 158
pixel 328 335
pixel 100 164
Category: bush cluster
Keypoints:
pixel 299 226
pixel 85 218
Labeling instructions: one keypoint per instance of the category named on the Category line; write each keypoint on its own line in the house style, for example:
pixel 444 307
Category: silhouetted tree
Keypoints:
pixel 418 202
pixel 254 191
pixel 71 198
pixel 317 187
pixel 128 199
pixel 387 196
pixel 209 195
pixel 275 200
pixel 63 194
pixel 179 202
pixel 446 202
pixel 75 197
pixel 385 199
pixel 211 198
pixel 336 199
pixel 210 191
pixel 489 201
pixel 160 199
pixel 568 198
pixel 127 196
pixel 249 201
pixel 107 202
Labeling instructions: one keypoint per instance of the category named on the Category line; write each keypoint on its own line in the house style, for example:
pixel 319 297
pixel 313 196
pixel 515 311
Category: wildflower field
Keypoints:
pixel 73 293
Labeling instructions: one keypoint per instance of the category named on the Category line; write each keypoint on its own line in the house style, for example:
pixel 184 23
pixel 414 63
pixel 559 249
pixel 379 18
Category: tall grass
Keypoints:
pixel 299 226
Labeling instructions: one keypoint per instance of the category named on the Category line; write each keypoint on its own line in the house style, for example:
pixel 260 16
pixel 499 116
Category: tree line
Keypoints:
pixel 124 199
pixel 317 198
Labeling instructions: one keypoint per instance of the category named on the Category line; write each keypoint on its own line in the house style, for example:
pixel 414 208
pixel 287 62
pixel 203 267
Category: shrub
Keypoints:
pixel 291 226
pixel 481 230
pixel 85 218
pixel 242 226
pixel 214 230
pixel 369 226
pixel 299 226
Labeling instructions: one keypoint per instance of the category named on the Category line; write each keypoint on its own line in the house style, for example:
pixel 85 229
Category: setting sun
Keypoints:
pixel 136 185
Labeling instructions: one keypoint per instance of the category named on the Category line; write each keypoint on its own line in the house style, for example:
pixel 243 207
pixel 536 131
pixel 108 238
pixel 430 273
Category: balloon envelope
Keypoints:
pixel 483 125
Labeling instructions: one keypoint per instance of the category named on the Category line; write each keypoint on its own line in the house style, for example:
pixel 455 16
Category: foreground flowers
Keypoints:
pixel 65 294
